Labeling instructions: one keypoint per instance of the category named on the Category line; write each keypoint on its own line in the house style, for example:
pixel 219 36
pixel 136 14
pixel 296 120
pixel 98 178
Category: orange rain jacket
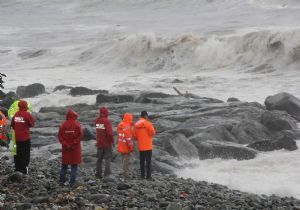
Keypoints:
pixel 143 132
pixel 125 144
pixel 2 127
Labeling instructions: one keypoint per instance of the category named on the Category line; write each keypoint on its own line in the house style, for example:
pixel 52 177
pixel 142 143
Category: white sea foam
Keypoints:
pixel 269 173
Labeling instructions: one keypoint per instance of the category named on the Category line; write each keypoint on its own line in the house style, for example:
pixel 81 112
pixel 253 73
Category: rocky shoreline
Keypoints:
pixel 188 127
pixel 40 190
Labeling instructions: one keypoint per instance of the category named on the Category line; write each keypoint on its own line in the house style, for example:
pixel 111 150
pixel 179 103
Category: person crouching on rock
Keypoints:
pixel 70 134
pixel 21 122
pixel 143 132
pixel 125 144
pixel 105 142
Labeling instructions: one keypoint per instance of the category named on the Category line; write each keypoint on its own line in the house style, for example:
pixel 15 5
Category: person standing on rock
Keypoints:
pixel 70 134
pixel 21 122
pixel 143 133
pixel 125 144
pixel 105 142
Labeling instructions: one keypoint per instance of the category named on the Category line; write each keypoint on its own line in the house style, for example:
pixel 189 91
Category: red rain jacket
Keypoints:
pixel 21 122
pixel 70 135
pixel 105 137
pixel 125 144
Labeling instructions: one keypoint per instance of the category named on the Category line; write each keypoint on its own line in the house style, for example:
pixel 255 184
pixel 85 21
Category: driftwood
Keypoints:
pixel 186 95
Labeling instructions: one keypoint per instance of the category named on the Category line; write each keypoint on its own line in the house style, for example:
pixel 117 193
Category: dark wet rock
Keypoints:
pixel 232 99
pixel 215 133
pixel 278 120
pixel 180 146
pixel 176 81
pixel 248 131
pixel 162 125
pixel 123 186
pixel 282 142
pixel 79 91
pixel 41 140
pixel 16 177
pixel 9 99
pixel 224 150
pixel 88 133
pixel 61 87
pixel 30 90
pixel 285 102
pixel 104 98
pixel 2 95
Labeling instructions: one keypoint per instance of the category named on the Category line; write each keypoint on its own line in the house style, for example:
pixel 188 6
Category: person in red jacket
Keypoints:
pixel 4 141
pixel 105 142
pixel 125 144
pixel 143 132
pixel 21 122
pixel 70 135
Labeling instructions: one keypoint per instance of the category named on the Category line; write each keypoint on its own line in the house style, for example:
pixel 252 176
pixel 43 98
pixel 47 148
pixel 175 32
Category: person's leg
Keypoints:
pixel 22 153
pixel 63 171
pixel 148 163
pixel 125 158
pixel 100 154
pixel 17 158
pixel 26 159
pixel 142 163
pixel 73 174
pixel 107 157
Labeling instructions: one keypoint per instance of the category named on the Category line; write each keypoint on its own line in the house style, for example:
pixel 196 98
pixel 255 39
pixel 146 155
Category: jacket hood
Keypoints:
pixel 71 115
pixel 127 118
pixel 22 105
pixel 103 112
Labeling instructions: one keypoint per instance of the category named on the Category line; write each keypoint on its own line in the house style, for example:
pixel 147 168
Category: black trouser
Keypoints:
pixel 22 157
pixel 145 156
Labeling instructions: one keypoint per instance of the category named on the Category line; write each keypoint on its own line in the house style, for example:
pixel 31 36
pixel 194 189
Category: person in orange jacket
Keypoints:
pixel 143 133
pixel 4 141
pixel 125 144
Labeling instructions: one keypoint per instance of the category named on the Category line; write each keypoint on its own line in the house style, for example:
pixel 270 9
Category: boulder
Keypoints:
pixel 249 131
pixel 283 141
pixel 224 150
pixel 278 120
pixel 104 98
pixel 88 133
pixel 232 99
pixel 30 90
pixel 215 133
pixel 181 147
pixel 162 125
pixel 61 87
pixel 286 102
pixel 79 91
pixel 147 97
pixel 9 99
pixel 2 95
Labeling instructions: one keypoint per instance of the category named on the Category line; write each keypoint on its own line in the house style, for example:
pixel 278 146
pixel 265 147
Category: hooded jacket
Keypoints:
pixel 70 135
pixel 143 132
pixel 21 122
pixel 104 133
pixel 125 144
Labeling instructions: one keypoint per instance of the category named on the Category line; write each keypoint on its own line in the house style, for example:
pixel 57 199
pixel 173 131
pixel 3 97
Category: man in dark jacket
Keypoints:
pixel 70 135
pixel 21 122
pixel 105 142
